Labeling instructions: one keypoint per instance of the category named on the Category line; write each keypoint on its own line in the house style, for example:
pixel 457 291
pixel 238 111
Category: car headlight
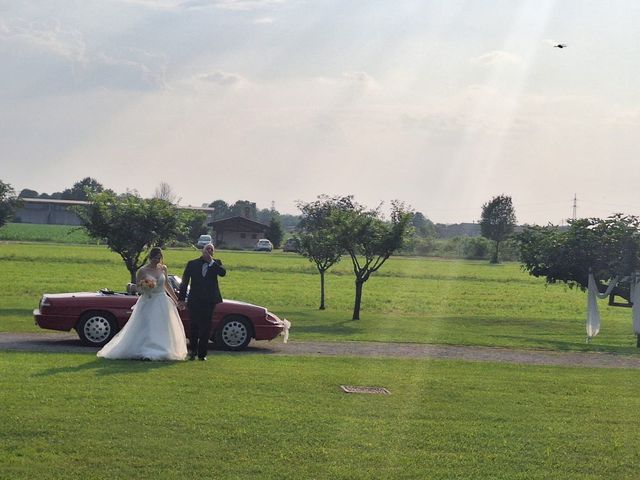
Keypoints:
pixel 271 318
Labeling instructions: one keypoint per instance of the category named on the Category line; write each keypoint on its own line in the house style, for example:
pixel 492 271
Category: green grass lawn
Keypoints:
pixel 29 232
pixel 409 300
pixel 73 416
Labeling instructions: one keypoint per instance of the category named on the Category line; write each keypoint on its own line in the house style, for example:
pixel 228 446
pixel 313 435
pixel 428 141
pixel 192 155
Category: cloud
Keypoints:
pixel 497 58
pixel 264 20
pixel 221 78
pixel 238 5
pixel 44 37
pixel 363 79
pixel 139 67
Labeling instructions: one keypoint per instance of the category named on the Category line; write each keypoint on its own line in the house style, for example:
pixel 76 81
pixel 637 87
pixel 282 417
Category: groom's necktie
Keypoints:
pixel 205 267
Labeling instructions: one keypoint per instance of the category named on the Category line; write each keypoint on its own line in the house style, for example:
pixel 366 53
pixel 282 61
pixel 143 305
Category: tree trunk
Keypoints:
pixel 494 258
pixel 133 275
pixel 356 307
pixel 322 290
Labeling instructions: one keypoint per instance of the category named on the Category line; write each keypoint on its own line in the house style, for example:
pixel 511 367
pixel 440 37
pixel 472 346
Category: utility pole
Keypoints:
pixel 575 206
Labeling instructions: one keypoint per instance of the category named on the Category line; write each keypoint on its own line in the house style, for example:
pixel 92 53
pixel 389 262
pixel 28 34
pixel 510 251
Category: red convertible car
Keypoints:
pixel 97 317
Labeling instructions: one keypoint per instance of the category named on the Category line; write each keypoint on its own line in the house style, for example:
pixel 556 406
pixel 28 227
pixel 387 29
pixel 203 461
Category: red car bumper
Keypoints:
pixel 54 322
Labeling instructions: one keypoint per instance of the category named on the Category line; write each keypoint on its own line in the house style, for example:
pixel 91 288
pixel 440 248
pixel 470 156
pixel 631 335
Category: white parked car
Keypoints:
pixel 203 240
pixel 263 245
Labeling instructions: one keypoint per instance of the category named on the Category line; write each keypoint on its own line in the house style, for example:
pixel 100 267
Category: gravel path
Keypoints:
pixel 68 342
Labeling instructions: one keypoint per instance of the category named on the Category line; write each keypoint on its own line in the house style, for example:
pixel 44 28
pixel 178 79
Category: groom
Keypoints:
pixel 204 295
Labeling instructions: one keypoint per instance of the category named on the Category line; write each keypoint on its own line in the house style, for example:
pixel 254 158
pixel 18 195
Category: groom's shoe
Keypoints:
pixel 192 356
pixel 202 359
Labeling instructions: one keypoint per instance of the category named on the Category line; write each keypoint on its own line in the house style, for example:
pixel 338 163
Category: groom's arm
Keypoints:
pixel 186 278
pixel 218 268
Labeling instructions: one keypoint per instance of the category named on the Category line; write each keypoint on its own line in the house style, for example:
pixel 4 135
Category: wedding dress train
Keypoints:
pixel 154 330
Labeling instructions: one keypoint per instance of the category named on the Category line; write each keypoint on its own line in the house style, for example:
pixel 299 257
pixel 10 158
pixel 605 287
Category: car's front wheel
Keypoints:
pixel 234 333
pixel 96 328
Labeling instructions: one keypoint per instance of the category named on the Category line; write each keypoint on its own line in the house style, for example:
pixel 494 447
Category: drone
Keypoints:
pixel 560 45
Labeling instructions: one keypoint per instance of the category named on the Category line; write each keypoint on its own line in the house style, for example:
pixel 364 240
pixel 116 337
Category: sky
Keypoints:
pixel 439 104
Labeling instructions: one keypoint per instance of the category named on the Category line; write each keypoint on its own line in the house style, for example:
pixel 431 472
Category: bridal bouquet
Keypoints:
pixel 147 284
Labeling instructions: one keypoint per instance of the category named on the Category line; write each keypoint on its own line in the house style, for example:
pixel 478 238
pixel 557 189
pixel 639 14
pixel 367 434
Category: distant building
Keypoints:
pixel 463 230
pixel 60 212
pixel 237 232
pixel 48 211
pixel 458 230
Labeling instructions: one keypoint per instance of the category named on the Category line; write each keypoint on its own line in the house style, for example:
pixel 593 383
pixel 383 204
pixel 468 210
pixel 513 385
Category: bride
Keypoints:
pixel 154 330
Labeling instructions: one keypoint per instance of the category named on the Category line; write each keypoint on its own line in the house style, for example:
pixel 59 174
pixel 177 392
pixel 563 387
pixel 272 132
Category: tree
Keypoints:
pixel 191 225
pixel 607 248
pixel 27 193
pixel 165 192
pixel 497 222
pixel 423 227
pixel 275 232
pixel 129 224
pixel 368 238
pixel 220 209
pixel 8 202
pixel 82 189
pixel 316 237
pixel 244 208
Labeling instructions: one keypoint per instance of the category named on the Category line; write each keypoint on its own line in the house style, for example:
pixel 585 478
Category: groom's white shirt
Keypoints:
pixel 205 267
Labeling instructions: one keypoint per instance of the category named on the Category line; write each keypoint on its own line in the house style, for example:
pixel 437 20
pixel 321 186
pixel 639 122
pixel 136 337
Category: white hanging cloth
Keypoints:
pixel 635 300
pixel 593 314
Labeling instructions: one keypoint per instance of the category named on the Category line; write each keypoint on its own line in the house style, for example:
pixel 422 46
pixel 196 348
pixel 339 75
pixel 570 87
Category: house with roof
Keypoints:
pixel 237 232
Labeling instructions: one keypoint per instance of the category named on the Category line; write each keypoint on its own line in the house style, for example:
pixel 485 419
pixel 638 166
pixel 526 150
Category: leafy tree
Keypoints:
pixel 27 193
pixel 316 237
pixel 476 248
pixel 129 224
pixel 191 225
pixel 497 222
pixel 607 248
pixel 289 222
pixel 275 232
pixel 368 238
pixel 8 202
pixel 423 227
pixel 244 208
pixel 264 215
pixel 220 209
pixel 82 189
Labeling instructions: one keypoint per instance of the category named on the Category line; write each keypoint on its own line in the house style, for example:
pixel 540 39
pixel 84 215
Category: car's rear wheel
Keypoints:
pixel 234 333
pixel 96 328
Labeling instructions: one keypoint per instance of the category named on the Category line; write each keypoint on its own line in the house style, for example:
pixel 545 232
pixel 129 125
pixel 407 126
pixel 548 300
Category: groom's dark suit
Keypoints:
pixel 204 294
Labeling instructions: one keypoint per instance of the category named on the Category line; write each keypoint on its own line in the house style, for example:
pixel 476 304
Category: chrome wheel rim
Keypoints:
pixel 97 329
pixel 234 333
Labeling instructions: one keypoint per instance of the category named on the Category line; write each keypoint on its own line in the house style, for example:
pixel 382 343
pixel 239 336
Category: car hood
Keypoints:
pixel 74 294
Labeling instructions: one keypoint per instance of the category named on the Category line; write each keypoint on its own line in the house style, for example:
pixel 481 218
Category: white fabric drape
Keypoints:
pixel 635 309
pixel 593 314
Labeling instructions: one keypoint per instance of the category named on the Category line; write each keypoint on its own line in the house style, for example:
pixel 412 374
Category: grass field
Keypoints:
pixel 73 416
pixel 29 232
pixel 409 300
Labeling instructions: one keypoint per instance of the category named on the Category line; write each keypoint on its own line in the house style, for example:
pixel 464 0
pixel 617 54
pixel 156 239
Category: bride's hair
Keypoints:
pixel 155 251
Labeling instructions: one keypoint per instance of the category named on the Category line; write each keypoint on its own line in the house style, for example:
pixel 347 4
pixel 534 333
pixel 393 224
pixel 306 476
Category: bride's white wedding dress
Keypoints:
pixel 154 330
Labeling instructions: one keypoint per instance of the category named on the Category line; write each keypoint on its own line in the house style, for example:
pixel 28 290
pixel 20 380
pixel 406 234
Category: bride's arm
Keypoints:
pixel 167 285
